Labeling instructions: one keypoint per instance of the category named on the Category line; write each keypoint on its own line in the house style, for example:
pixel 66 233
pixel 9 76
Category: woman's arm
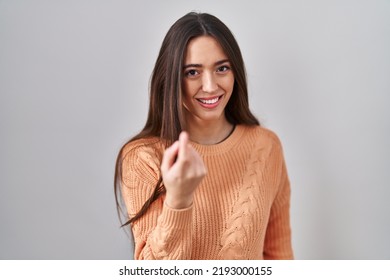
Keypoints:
pixel 165 230
pixel 277 243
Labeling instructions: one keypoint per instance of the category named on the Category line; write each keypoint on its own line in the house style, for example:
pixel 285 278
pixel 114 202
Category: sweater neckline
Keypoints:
pixel 223 146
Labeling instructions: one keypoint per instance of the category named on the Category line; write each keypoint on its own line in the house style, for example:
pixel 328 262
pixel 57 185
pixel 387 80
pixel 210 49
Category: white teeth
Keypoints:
pixel 210 101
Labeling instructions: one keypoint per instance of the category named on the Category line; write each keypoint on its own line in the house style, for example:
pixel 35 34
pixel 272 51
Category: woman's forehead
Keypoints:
pixel 204 50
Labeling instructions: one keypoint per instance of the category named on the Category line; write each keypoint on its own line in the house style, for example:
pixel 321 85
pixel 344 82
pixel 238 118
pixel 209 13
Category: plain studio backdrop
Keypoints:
pixel 74 79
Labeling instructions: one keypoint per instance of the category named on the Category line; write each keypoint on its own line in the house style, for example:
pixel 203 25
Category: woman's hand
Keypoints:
pixel 182 170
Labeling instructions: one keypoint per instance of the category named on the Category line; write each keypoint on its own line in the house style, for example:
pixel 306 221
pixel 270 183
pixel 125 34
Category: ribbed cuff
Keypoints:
pixel 176 218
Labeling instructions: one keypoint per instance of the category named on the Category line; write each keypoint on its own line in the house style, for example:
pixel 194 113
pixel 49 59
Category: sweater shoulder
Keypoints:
pixel 142 158
pixel 264 136
pixel 140 146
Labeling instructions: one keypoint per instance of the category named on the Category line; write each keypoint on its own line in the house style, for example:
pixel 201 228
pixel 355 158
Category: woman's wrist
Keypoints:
pixel 178 202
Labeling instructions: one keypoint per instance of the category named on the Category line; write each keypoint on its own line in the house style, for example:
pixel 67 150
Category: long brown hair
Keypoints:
pixel 166 118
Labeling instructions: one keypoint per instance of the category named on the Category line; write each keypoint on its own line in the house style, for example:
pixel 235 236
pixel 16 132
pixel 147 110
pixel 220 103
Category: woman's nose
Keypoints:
pixel 209 83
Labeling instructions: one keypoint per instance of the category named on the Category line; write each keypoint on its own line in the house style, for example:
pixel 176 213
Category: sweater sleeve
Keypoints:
pixel 277 243
pixel 162 232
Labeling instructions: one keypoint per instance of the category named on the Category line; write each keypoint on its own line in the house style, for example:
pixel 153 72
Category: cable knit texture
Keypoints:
pixel 240 209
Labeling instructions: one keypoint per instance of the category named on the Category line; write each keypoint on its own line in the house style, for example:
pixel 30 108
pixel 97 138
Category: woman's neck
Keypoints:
pixel 206 133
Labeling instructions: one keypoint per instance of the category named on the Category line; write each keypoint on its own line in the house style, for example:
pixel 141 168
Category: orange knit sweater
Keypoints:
pixel 240 209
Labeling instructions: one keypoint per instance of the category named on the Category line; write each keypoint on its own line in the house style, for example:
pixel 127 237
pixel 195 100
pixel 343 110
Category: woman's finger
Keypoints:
pixel 183 145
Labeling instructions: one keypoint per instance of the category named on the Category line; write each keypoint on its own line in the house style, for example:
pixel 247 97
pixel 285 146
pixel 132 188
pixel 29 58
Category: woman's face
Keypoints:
pixel 208 81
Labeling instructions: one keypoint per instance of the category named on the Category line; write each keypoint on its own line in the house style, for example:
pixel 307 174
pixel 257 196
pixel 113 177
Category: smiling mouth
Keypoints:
pixel 209 101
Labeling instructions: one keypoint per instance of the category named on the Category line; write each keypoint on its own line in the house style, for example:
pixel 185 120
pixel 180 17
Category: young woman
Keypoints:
pixel 203 180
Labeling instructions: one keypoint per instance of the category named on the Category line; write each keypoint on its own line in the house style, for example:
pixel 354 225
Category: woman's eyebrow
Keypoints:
pixel 192 65
pixel 195 65
pixel 221 61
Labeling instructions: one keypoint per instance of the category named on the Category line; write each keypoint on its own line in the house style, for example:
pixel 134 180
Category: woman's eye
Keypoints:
pixel 223 68
pixel 191 73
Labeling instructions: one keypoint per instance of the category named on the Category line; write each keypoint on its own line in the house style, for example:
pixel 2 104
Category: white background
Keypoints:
pixel 74 86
